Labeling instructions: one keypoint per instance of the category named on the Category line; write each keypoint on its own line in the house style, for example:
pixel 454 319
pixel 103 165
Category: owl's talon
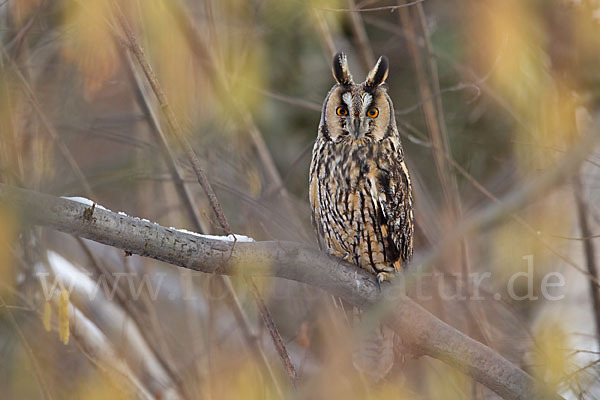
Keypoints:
pixel 383 277
pixel 343 257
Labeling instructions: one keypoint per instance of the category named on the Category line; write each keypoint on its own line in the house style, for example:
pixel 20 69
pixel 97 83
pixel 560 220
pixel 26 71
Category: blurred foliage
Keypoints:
pixel 550 358
pixel 8 239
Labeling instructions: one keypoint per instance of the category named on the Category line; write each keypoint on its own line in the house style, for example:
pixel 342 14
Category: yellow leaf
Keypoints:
pixel 88 43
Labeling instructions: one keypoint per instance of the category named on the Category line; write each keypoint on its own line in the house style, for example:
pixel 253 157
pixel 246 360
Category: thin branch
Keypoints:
pixel 129 309
pixel 425 68
pixel 167 154
pixel 174 127
pixel 176 130
pixel 309 105
pixel 361 39
pixel 249 336
pixel 539 236
pixel 197 221
pixel 463 70
pixel 49 128
pixel 564 168
pixel 357 10
pixel 37 371
pixel 455 88
pixel 220 80
pixel 575 238
pixel 268 321
pixel 420 330
pixel 588 250
pixel 151 371
pixel 100 351
pixel 314 106
pixel 324 33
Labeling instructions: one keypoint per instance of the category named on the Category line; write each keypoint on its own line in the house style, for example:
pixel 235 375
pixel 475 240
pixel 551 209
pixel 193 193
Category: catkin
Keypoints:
pixel 63 316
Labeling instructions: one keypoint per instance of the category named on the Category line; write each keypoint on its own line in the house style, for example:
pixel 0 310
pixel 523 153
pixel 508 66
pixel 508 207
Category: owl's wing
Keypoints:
pixel 316 223
pixel 396 213
pixel 313 194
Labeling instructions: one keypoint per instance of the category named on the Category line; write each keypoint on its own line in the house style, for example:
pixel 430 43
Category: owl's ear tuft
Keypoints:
pixel 379 73
pixel 341 72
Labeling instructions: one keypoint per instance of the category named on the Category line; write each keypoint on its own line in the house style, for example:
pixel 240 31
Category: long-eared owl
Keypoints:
pixel 360 191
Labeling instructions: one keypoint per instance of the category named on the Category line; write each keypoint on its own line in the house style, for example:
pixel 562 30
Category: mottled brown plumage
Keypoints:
pixel 360 191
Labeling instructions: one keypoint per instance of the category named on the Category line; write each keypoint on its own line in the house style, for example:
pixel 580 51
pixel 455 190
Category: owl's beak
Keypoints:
pixel 357 132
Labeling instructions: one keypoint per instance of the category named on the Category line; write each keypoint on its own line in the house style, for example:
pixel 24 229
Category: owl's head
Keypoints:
pixel 357 112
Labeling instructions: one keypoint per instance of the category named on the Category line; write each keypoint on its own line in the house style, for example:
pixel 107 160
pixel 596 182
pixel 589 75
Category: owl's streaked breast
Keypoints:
pixel 350 189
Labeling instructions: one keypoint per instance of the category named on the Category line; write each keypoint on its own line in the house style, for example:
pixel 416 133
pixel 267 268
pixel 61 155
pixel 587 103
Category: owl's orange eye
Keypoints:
pixel 341 111
pixel 373 112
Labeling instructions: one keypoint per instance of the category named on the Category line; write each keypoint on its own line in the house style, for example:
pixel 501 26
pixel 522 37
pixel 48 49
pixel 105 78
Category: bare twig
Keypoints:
pixel 309 105
pixel 135 319
pixel 360 35
pixel 455 88
pixel 588 250
pixel 174 127
pixel 49 128
pixel 95 345
pixel 221 84
pixel 196 220
pixel 160 138
pixel 268 321
pixel 37 371
pixel 461 69
pixel 539 236
pixel 324 33
pixel 575 238
pixel 250 337
pixel 432 110
pixel 384 8
pixel 203 180
pixel 564 168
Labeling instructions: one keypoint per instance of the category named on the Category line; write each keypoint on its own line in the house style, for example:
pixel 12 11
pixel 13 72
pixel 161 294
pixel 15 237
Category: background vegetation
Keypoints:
pixel 488 95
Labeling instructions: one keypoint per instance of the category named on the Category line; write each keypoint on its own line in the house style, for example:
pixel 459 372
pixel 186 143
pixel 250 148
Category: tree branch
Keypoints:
pixel 419 329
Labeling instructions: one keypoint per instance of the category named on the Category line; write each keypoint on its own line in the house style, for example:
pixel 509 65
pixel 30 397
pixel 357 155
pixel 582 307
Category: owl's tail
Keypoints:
pixel 374 354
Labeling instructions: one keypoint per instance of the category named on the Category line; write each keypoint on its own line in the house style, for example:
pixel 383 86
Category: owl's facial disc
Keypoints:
pixel 360 113
pixel 357 112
